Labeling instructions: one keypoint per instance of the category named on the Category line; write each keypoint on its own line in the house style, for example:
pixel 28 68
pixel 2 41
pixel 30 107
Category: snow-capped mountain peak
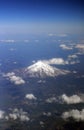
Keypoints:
pixel 41 69
pixel 40 66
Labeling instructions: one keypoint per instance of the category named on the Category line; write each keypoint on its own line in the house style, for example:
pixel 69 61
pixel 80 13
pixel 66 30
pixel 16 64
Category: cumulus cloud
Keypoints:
pixel 47 113
pixel 80 48
pixel 17 80
pixel 57 61
pixel 2 114
pixel 54 61
pixel 10 74
pixel 74 62
pixel 13 78
pixel 64 47
pixel 51 100
pixel 30 97
pixel 14 115
pixel 42 123
pixel 73 59
pixel 19 114
pixel 72 56
pixel 71 99
pixel 76 114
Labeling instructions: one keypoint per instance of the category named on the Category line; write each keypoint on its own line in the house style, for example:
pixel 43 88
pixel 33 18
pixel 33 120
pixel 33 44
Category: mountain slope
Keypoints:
pixel 41 69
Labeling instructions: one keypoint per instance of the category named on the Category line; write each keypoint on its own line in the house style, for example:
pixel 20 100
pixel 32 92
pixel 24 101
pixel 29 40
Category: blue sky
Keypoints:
pixel 41 16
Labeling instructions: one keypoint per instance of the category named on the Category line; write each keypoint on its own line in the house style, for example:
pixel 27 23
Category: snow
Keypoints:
pixel 42 69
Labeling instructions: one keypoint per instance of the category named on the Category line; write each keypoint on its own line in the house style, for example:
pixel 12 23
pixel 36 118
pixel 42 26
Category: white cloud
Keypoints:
pixel 71 99
pixel 73 59
pixel 51 100
pixel 57 61
pixel 58 35
pixel 42 123
pixel 74 72
pixel 64 47
pixel 76 114
pixel 10 74
pixel 17 80
pixel 41 81
pixel 80 48
pixel 50 34
pixel 26 41
pixel 12 49
pixel 73 62
pixel 30 97
pixel 24 118
pixel 2 114
pixel 54 61
pixel 47 113
pixel 14 62
pixel 72 56
pixel 14 115
pixel 36 40
pixel 7 41
pixel 33 61
pixel 62 35
pixel 13 78
pixel 19 114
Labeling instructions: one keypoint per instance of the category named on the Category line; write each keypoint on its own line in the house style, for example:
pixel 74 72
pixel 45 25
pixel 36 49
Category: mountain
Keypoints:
pixel 41 69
